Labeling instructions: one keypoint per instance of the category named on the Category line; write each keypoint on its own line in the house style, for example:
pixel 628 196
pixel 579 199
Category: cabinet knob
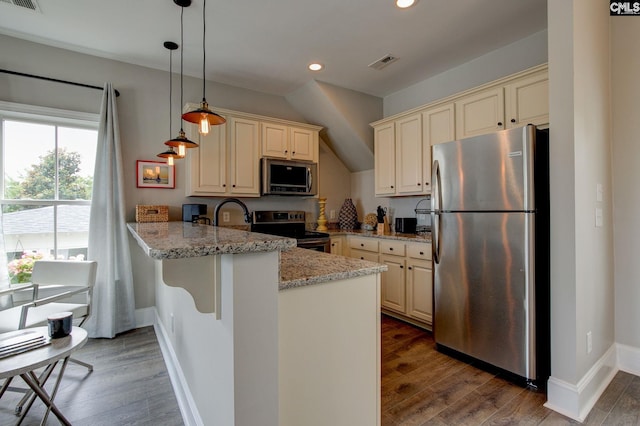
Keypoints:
pixel 234 185
pixel 421 253
pixel 391 186
pixel 513 120
pixel 224 185
pixel 361 244
pixel 293 153
pixel 419 184
pixel 410 268
pixel 426 183
pixel 361 258
pixel 401 267
pixel 286 150
pixel 499 123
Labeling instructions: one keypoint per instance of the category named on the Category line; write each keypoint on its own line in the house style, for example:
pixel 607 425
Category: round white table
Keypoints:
pixel 24 364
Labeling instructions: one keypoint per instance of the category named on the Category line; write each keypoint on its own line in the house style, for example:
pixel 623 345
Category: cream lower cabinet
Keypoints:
pixel 336 245
pixel 406 288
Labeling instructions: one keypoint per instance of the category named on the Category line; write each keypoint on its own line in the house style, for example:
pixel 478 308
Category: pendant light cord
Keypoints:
pixel 181 62
pixel 204 52
pixel 170 90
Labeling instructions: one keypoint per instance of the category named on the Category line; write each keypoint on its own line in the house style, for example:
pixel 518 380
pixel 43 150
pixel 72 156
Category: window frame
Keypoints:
pixel 48 116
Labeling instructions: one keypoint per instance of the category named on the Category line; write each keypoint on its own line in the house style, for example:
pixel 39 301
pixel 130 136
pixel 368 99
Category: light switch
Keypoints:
pixel 599 191
pixel 598 217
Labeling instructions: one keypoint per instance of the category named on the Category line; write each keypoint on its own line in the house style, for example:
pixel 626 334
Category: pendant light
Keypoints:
pixel 170 154
pixel 181 142
pixel 203 116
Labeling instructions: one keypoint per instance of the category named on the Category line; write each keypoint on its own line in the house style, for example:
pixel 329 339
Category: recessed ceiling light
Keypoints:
pixel 403 4
pixel 315 66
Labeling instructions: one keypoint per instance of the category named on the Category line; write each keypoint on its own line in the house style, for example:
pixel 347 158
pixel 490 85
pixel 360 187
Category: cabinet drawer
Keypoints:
pixel 368 244
pixel 364 255
pixel 419 251
pixel 395 248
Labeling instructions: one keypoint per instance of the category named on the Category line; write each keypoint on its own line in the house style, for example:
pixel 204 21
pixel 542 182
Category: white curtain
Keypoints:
pixel 113 309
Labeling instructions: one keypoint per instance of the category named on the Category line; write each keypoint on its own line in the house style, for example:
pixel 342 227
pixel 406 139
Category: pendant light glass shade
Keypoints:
pixel 203 116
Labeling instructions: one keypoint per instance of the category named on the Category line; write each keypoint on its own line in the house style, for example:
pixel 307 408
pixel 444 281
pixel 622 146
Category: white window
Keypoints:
pixel 47 162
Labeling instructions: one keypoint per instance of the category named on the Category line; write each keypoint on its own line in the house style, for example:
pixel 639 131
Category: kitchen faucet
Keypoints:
pixel 247 215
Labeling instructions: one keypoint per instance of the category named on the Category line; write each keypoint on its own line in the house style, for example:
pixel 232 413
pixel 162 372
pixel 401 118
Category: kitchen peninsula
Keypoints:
pixel 256 331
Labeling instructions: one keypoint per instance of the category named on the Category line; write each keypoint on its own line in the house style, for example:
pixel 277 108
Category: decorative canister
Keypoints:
pixel 348 215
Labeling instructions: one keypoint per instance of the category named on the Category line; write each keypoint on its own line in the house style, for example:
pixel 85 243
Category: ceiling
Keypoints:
pixel 266 45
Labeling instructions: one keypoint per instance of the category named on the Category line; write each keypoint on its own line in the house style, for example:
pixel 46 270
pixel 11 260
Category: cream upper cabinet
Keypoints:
pixel 480 113
pixel 288 142
pixel 385 154
pixel 227 161
pixel 438 126
pixel 244 156
pixel 409 158
pixel 207 164
pixel 527 101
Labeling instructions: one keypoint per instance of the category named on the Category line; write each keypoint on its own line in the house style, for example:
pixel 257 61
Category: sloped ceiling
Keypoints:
pixel 345 115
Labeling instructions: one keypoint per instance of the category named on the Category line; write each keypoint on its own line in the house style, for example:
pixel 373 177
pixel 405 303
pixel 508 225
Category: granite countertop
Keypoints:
pixel 175 240
pixel 421 238
pixel 302 267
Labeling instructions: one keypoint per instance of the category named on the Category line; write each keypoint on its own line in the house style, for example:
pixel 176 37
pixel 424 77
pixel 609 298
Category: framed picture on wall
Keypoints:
pixel 155 174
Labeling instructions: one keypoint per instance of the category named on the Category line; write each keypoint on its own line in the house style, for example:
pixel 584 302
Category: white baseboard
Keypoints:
pixel 145 317
pixel 188 409
pixel 629 359
pixel 576 401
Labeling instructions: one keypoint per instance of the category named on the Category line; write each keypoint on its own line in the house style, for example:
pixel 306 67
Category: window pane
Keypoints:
pixel 27 173
pixel 76 160
pixel 28 236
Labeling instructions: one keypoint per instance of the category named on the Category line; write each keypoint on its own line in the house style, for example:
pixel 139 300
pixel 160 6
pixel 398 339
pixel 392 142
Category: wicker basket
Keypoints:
pixel 152 213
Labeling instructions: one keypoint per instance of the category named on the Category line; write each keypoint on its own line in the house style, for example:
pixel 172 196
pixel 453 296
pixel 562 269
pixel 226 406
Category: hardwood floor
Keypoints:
pixel 420 386
pixel 128 386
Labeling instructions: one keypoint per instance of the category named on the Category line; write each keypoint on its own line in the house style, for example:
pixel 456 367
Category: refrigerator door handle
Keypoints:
pixel 436 204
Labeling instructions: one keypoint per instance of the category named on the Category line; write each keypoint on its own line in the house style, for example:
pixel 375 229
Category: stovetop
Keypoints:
pixel 284 223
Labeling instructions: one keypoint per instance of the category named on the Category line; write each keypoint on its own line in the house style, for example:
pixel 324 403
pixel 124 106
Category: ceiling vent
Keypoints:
pixel 383 62
pixel 26 4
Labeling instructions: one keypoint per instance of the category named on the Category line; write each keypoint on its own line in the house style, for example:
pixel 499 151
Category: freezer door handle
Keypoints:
pixel 436 204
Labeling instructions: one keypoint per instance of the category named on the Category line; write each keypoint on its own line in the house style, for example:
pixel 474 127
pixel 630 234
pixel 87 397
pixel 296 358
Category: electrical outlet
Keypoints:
pixel 332 214
pixel 225 216
pixel 589 342
pixel 172 323
pixel 598 217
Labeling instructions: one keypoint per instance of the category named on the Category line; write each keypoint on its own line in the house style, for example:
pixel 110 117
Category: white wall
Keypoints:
pixel 518 56
pixel 626 175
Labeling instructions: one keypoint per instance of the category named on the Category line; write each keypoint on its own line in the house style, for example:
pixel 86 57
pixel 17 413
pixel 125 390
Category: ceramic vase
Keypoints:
pixel 348 215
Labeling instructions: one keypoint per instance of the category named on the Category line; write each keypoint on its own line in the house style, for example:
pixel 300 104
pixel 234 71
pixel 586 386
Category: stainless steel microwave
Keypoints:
pixel 286 177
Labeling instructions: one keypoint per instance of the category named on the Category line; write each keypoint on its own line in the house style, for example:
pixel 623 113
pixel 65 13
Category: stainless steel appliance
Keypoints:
pixel 490 228
pixel 195 213
pixel 286 177
pixel 290 224
pixel 406 225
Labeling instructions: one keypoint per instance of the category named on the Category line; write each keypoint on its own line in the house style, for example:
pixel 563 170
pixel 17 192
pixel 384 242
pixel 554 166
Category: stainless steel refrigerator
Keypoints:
pixel 490 233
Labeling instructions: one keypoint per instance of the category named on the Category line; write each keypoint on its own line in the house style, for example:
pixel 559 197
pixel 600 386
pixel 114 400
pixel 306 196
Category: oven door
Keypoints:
pixel 317 244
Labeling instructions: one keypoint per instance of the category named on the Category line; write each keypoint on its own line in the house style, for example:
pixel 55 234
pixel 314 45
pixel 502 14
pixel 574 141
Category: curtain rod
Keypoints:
pixel 21 74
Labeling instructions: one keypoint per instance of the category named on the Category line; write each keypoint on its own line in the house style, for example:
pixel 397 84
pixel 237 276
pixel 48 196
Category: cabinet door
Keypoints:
pixel 244 156
pixel 385 163
pixel 527 101
pixel 420 290
pixel 302 144
pixel 393 283
pixel 438 125
pixel 336 246
pixel 207 164
pixel 480 113
pixel 275 140
pixel 409 155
